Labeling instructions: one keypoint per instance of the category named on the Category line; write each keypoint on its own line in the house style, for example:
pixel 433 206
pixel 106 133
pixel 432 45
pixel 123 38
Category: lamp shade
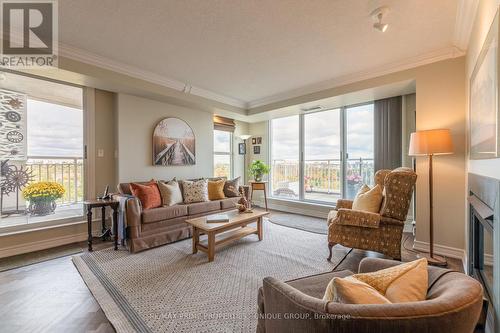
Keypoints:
pixel 431 142
pixel 245 136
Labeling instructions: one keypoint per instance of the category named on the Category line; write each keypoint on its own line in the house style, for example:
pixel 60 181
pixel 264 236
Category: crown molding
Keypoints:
pixel 420 60
pixel 77 54
pixel 466 13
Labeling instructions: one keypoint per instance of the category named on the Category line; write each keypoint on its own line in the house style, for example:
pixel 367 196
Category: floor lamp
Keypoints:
pixel 245 137
pixel 430 143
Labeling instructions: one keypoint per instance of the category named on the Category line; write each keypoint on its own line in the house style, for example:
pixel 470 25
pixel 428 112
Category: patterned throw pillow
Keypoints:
pixel 216 189
pixel 231 188
pixel 196 191
pixel 403 283
pixel 170 192
pixel 148 194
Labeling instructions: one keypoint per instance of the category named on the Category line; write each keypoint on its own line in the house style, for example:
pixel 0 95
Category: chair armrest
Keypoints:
pixel 368 265
pixel 356 218
pixel 343 203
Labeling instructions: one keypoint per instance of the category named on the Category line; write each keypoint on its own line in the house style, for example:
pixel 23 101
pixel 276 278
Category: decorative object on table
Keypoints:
pixel 105 232
pixel 353 184
pixel 242 148
pixel 244 205
pixel 256 150
pixel 105 195
pixel 258 169
pixel 173 143
pixel 430 143
pixel 484 138
pixel 254 141
pixel 259 140
pixel 12 125
pixel 42 197
pixel 13 180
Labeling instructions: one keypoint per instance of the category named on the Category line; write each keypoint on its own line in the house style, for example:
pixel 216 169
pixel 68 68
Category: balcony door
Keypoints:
pixel 322 156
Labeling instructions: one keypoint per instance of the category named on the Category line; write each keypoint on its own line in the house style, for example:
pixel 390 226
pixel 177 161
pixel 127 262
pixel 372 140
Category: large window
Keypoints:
pixel 48 120
pixel 322 156
pixel 223 153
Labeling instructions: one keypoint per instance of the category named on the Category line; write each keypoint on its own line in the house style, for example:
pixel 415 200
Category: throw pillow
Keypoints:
pixel 148 194
pixel 216 189
pixel 195 191
pixel 231 188
pixel 170 192
pixel 367 199
pixel 407 282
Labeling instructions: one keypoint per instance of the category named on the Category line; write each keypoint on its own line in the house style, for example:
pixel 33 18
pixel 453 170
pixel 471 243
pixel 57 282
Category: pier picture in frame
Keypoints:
pixel 484 124
pixel 173 143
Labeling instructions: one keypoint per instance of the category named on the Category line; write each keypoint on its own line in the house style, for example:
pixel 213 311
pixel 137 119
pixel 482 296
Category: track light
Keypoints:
pixel 378 15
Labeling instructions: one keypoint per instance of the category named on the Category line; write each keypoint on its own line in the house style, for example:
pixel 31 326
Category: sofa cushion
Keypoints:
pixel 216 189
pixel 148 194
pixel 164 213
pixel 196 191
pixel 368 199
pixel 170 193
pixel 231 188
pixel 228 203
pixel 202 207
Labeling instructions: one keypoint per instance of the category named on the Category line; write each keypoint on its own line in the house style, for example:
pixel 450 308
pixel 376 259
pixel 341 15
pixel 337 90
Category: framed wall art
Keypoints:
pixel 173 143
pixel 484 114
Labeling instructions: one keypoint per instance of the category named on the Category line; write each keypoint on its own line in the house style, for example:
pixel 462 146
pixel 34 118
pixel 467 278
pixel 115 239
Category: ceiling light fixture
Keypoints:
pixel 378 15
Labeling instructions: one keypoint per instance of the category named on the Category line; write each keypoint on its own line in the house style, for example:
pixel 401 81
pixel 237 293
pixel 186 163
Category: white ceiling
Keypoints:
pixel 252 51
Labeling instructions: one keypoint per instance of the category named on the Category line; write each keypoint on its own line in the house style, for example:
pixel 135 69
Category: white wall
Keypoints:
pixel 137 118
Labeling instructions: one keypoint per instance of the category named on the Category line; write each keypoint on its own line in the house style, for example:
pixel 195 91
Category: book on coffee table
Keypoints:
pixel 217 218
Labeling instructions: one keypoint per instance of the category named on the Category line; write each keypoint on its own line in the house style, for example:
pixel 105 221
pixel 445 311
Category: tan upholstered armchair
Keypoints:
pixel 379 232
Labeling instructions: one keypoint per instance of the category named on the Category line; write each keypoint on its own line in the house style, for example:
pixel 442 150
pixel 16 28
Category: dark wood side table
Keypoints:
pixel 89 205
pixel 259 186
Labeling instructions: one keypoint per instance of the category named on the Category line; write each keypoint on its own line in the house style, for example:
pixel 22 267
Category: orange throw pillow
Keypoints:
pixel 148 194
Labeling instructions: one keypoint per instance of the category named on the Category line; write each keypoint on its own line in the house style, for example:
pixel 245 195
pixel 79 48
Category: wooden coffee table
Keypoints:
pixel 236 228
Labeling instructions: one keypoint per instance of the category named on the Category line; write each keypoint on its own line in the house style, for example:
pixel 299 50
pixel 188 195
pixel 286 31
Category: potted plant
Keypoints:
pixel 42 197
pixel 258 169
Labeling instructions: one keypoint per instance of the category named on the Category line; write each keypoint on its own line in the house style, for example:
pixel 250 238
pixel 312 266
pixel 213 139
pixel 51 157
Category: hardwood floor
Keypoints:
pixel 52 297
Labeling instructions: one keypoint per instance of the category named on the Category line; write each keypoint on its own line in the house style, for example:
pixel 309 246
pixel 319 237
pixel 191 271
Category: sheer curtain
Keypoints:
pixel 388 134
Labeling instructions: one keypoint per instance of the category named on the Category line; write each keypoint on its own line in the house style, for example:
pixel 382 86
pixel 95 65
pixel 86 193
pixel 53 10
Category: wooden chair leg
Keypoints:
pixel 330 246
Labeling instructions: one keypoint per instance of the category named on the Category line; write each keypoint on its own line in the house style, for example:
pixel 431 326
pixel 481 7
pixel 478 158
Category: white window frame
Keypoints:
pixel 223 153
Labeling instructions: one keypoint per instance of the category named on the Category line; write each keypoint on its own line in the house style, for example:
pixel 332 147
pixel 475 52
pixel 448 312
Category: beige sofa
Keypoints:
pixel 158 226
pixel 454 303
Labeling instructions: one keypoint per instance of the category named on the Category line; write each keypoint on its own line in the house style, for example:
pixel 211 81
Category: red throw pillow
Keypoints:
pixel 148 194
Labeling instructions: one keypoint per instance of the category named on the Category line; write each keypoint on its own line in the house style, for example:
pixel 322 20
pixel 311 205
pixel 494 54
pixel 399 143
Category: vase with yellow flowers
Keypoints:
pixel 42 197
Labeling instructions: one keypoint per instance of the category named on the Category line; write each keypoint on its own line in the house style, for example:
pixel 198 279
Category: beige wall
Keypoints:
pixel 440 103
pixel 484 17
pixel 239 160
pixel 105 169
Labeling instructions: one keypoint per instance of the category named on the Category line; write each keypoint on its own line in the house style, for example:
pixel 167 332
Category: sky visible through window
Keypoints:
pixel 322 135
pixel 54 130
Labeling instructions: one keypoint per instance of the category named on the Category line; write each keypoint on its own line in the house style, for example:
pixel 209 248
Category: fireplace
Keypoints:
pixel 483 219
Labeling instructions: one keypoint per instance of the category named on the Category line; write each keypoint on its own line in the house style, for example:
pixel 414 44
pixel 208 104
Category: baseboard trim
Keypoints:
pixel 42 244
pixel 443 250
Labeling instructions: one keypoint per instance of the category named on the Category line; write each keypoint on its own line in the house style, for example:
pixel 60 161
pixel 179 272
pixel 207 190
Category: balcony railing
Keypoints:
pixel 320 176
pixel 67 171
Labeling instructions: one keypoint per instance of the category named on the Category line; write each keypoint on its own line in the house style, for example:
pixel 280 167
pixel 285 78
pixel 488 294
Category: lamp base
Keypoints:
pixel 435 260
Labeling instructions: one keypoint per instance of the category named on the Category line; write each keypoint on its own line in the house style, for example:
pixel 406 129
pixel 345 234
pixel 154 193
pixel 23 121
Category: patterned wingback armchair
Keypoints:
pixel 379 232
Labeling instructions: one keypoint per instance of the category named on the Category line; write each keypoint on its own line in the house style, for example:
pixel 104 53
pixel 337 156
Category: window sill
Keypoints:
pixel 30 227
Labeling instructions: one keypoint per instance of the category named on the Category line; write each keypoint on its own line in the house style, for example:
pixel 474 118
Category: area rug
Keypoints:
pixel 168 289
pixel 302 222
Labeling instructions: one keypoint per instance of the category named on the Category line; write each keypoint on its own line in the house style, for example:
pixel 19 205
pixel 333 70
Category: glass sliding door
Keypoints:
pixel 285 152
pixel 322 156
pixel 359 134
